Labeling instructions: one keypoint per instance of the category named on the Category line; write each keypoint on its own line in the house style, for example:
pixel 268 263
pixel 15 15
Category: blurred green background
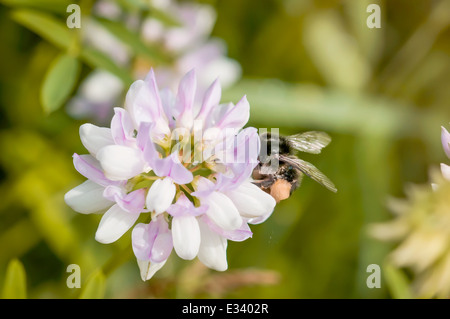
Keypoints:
pixel 382 94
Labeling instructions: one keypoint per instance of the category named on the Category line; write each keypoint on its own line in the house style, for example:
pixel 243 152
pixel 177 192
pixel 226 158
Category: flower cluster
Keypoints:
pixel 187 42
pixel 422 229
pixel 187 166
pixel 191 45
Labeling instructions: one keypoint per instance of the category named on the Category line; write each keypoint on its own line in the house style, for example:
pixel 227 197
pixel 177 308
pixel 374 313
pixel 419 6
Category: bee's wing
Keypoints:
pixel 311 171
pixel 310 142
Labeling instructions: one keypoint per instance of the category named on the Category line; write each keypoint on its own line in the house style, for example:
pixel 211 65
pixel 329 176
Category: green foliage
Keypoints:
pixel 398 282
pixel 56 6
pixel 15 285
pixel 133 40
pixel 94 287
pixel 59 82
pixel 57 33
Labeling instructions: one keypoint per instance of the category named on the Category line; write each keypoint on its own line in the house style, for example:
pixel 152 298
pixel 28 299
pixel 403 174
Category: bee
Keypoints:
pixel 280 172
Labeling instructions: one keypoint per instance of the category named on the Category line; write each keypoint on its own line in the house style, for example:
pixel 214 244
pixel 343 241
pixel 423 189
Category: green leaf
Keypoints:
pixel 57 33
pixel 397 282
pixel 15 286
pixel 163 17
pixel 132 5
pixel 59 82
pixel 45 26
pixel 329 25
pixel 97 59
pixel 133 40
pixel 149 10
pixel 57 6
pixel 94 287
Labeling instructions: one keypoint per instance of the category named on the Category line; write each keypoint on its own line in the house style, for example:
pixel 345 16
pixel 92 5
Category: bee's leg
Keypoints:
pixel 264 183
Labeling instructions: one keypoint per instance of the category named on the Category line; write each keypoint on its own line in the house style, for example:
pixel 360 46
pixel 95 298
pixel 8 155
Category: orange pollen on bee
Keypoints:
pixel 280 190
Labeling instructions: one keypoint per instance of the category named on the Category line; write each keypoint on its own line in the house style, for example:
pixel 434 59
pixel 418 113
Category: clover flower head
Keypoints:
pixel 187 42
pixel 421 228
pixel 187 166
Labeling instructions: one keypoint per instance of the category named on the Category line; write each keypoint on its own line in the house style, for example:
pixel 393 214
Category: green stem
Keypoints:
pixel 186 189
pixel 152 178
pixel 117 260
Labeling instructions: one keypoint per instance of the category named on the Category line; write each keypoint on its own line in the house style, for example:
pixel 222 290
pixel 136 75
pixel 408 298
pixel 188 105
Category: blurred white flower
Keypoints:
pixel 188 42
pixel 191 45
pixel 96 96
pixel 422 229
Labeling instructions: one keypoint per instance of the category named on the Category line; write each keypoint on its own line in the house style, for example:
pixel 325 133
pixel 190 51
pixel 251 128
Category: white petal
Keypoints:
pixel 87 198
pixel 251 201
pixel 213 248
pixel 148 269
pixel 114 223
pixel 94 137
pixel 130 98
pixel 445 169
pixel 186 236
pixel 160 195
pixel 121 162
pixel 222 211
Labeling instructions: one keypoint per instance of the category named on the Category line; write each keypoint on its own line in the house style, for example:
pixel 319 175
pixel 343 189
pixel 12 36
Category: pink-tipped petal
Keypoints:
pixel 143 101
pixel 185 99
pixel 210 100
pixel 151 155
pixel 155 100
pixel 445 138
pixel 132 202
pixel 180 174
pixel 162 240
pixel 237 116
pixel 121 162
pixel 170 167
pixel 141 241
pixel 240 234
pixel 143 135
pixel 136 112
pixel 122 128
pixel 87 198
pixel 90 168
pixel 152 242
pixel 168 102
pixel 184 207
pixel 94 137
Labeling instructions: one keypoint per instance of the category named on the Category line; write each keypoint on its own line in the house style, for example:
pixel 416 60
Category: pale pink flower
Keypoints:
pixel 134 168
